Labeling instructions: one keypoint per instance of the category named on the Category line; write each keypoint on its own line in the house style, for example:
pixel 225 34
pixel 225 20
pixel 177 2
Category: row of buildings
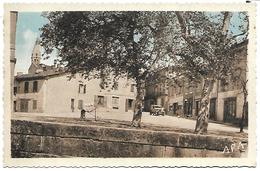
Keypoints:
pixel 47 89
pixel 226 99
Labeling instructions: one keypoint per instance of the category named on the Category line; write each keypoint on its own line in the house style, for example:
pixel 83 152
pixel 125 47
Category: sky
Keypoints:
pixel 27 30
pixel 28 25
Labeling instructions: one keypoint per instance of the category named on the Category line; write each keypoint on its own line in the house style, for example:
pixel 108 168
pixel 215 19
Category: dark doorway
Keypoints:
pixel 212 109
pixel 129 105
pixel 197 107
pixel 24 105
pixel 175 108
pixel 188 107
pixel 230 109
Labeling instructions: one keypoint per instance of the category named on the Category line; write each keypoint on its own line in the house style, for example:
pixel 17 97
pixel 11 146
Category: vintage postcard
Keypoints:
pixel 129 85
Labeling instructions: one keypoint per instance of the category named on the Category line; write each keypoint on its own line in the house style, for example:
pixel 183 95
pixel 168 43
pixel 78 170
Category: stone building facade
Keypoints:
pixel 226 98
pixel 49 89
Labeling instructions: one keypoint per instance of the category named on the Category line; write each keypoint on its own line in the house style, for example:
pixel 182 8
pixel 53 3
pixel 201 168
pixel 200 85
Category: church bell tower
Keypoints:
pixel 36 53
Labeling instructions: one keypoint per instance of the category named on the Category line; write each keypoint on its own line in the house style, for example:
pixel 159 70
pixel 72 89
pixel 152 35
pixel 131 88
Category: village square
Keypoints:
pixel 168 82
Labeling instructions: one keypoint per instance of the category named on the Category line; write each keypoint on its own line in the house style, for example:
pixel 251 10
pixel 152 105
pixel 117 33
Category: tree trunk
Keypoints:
pixel 226 23
pixel 138 108
pixel 203 116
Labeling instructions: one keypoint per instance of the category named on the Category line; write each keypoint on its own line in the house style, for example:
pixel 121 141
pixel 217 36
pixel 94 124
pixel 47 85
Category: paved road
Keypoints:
pixel 168 121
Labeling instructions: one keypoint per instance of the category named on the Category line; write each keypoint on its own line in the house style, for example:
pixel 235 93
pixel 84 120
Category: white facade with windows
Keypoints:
pixel 47 89
pixel 55 93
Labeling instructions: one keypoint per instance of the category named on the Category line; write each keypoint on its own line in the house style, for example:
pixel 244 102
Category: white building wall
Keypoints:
pixel 60 91
pixel 221 98
pixel 30 96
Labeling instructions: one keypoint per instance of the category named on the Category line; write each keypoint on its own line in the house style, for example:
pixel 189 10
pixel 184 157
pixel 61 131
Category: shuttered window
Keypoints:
pixel 26 87
pixel 35 86
pixel 115 102
pixel 34 104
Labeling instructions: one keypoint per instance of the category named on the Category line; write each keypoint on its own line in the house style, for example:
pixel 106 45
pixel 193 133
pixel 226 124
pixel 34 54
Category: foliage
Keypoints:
pixel 205 45
pixel 124 43
pixel 137 44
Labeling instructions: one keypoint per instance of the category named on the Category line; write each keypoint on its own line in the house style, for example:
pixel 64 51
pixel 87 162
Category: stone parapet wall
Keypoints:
pixel 35 139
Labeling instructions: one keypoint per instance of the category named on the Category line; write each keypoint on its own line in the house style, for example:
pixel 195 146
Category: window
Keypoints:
pixel 100 100
pixel 34 104
pixel 130 103
pixel 223 85
pixel 84 91
pixel 115 102
pixel 35 86
pixel 80 104
pixel 132 87
pixel 72 104
pixel 15 106
pixel 26 87
pixel 82 88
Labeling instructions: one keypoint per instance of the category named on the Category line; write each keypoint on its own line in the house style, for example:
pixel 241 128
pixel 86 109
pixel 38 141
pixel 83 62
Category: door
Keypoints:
pixel 188 107
pixel 24 105
pixel 229 109
pixel 212 109
pixel 175 106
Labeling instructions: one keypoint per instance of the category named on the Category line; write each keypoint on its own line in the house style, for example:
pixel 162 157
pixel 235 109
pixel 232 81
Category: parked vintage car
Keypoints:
pixel 157 110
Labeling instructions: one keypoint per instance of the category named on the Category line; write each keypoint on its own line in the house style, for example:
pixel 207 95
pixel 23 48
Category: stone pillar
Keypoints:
pixel 13 20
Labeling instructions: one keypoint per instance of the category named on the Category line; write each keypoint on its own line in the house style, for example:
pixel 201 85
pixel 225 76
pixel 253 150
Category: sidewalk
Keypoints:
pixel 165 121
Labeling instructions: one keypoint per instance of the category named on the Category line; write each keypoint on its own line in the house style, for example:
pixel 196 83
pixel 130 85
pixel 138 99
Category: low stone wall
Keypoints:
pixel 35 139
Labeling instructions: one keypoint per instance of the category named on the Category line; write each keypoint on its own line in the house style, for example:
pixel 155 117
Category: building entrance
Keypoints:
pixel 188 107
pixel 212 109
pixel 24 105
pixel 229 109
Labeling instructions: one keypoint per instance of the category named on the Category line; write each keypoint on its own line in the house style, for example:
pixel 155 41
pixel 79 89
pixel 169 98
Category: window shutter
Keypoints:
pixel 85 89
pixel 126 105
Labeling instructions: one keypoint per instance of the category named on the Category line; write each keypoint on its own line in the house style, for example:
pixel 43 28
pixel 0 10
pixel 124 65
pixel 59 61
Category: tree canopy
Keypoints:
pixel 137 44
pixel 120 42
